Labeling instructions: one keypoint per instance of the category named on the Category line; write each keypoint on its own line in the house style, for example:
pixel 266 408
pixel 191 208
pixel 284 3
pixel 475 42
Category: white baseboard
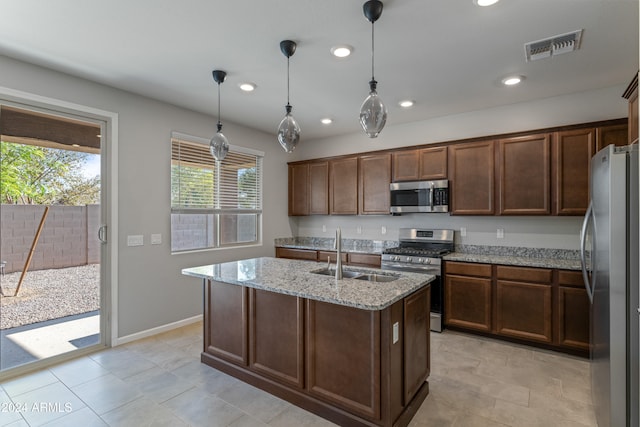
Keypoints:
pixel 156 331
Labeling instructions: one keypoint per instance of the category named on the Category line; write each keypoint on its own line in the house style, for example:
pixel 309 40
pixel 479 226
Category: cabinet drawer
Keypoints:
pixel 322 256
pixel 297 254
pixel 524 274
pixel 369 260
pixel 468 269
pixel 570 278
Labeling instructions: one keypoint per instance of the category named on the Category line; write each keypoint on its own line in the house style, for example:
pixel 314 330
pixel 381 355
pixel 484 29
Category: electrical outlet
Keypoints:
pixel 156 239
pixel 359 230
pixel 463 232
pixel 396 332
pixel 383 230
pixel 324 228
pixel 500 233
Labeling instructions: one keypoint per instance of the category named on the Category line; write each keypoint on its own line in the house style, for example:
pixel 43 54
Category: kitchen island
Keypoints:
pixel 354 351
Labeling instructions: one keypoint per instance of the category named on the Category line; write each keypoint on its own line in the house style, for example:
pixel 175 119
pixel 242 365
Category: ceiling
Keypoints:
pixel 449 56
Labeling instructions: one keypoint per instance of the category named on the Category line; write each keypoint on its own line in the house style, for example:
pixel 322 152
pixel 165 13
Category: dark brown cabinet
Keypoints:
pixel 319 188
pixel 573 311
pixel 353 258
pixel 617 135
pixel 299 189
pixel 524 175
pixel 343 186
pixel 277 318
pixel 225 327
pixel 524 303
pixel 420 164
pixel 631 94
pixel 365 260
pixel 373 184
pixel 471 178
pixel 467 296
pixel 417 353
pixel 572 152
pixel 293 253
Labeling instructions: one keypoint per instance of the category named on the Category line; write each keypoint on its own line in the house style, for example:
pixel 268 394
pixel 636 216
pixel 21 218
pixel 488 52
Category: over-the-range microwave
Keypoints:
pixel 419 196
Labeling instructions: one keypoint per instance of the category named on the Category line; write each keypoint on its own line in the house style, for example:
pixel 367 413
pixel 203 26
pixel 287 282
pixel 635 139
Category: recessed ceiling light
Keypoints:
pixel 341 51
pixel 406 103
pixel 485 2
pixel 326 121
pixel 247 87
pixel 512 80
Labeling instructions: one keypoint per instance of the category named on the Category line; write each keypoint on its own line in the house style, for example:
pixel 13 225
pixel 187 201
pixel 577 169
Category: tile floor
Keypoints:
pixel 159 381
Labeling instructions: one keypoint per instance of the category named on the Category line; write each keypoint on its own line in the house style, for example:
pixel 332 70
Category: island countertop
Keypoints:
pixel 296 277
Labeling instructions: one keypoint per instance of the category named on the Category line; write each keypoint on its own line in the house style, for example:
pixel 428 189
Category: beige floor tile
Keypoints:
pixel 255 402
pixel 28 383
pixel 199 408
pixel 434 412
pixel 296 417
pixel 106 393
pixel 158 384
pixel 78 371
pixel 142 412
pixel 48 403
pixel 85 417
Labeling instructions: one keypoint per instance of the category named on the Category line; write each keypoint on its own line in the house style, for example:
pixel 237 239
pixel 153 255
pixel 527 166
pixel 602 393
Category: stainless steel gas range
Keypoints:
pixel 420 251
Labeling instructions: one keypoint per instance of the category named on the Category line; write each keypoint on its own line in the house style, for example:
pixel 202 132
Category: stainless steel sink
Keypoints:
pixel 358 275
pixel 347 274
pixel 373 277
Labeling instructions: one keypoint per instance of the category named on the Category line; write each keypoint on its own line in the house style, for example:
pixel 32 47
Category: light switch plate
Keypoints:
pixel 383 230
pixel 135 240
pixel 156 239
pixel 500 233
pixel 463 231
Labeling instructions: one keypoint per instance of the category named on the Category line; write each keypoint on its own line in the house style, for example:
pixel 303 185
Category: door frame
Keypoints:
pixel 109 213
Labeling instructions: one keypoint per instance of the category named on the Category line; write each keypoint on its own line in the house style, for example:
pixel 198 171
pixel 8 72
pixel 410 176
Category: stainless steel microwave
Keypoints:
pixel 419 196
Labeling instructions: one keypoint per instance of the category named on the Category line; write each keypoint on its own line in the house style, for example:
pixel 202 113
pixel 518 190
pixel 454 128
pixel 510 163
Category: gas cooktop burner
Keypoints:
pixel 434 253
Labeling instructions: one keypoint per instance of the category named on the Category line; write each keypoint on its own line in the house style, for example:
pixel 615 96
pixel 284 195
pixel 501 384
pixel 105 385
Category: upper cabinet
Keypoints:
pixel 343 186
pixel 319 188
pixel 374 179
pixel 471 178
pixel 617 135
pixel 420 165
pixel 308 188
pixel 524 175
pixel 299 189
pixel 572 152
pixel 632 95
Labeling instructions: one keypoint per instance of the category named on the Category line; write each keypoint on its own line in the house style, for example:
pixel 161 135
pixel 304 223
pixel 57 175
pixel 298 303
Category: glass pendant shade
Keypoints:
pixel 219 146
pixel 373 114
pixel 288 132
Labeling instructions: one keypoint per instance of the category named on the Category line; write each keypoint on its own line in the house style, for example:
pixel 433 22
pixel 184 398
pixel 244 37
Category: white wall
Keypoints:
pixel 548 232
pixel 151 290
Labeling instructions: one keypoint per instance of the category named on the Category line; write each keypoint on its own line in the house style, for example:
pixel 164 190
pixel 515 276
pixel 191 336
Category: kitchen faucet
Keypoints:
pixel 338 248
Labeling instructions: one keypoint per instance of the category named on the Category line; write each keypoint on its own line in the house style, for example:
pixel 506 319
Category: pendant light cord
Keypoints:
pixel 288 80
pixel 372 51
pixel 219 118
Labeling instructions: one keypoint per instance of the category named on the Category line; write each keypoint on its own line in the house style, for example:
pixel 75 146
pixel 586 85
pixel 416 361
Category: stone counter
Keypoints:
pixel 295 277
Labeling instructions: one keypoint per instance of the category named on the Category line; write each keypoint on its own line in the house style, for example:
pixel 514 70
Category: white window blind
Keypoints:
pixel 214 204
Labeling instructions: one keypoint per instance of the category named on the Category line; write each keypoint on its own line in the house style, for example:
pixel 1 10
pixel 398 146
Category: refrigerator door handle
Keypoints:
pixel 583 258
pixel 583 255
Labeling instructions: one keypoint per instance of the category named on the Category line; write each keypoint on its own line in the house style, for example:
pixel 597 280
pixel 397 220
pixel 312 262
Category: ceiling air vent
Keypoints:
pixel 555 45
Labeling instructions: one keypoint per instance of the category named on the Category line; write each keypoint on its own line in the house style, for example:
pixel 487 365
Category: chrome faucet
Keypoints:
pixel 338 248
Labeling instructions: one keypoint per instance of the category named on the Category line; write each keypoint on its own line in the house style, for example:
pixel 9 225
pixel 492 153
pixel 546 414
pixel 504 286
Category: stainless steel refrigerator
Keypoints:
pixel 610 259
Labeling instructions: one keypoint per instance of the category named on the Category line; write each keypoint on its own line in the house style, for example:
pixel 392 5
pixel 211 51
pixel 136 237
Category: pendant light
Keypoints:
pixel 373 113
pixel 288 130
pixel 219 145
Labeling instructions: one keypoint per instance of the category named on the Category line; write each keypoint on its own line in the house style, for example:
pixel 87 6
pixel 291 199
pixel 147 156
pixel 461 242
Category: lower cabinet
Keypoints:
pixel 351 258
pixel 467 296
pixel 543 306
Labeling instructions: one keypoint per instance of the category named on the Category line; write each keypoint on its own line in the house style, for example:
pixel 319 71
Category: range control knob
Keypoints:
pixel 428 261
pixel 395 258
pixel 420 260
pixel 408 259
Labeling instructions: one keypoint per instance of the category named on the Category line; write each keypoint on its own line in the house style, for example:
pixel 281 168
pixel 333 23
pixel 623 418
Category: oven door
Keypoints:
pixel 437 289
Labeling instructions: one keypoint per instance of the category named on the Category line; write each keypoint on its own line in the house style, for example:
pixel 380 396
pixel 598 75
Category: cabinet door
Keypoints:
pixel 617 135
pixel 332 257
pixel 471 175
pixel 468 302
pixel 319 188
pixel 365 260
pixel 343 186
pixel 299 189
pixel 433 163
pixel 572 152
pixel 225 333
pixel 573 311
pixel 524 172
pixel 417 359
pixel 343 357
pixel 523 310
pixel 406 165
pixel 277 318
pixel 374 180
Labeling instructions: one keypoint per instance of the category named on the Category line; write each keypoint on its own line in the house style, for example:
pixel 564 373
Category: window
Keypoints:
pixel 214 204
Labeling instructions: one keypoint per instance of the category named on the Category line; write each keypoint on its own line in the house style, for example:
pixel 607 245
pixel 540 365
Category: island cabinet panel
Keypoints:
pixel 299 189
pixel 277 318
pixel 471 178
pixel 343 357
pixel 319 188
pixel 416 342
pixel 374 179
pixel 523 308
pixel 573 311
pixel 467 295
pixel 343 186
pixel 226 328
pixel 524 175
pixel 292 253
pixel 572 152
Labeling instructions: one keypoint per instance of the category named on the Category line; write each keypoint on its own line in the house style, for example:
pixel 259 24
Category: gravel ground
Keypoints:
pixel 49 294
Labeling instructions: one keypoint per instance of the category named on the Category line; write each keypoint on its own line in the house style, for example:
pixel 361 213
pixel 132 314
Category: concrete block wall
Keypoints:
pixel 69 237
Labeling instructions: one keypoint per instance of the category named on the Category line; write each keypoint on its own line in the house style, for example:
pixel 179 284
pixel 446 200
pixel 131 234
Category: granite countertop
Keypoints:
pixel 295 277
pixel 525 257
pixel 362 246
